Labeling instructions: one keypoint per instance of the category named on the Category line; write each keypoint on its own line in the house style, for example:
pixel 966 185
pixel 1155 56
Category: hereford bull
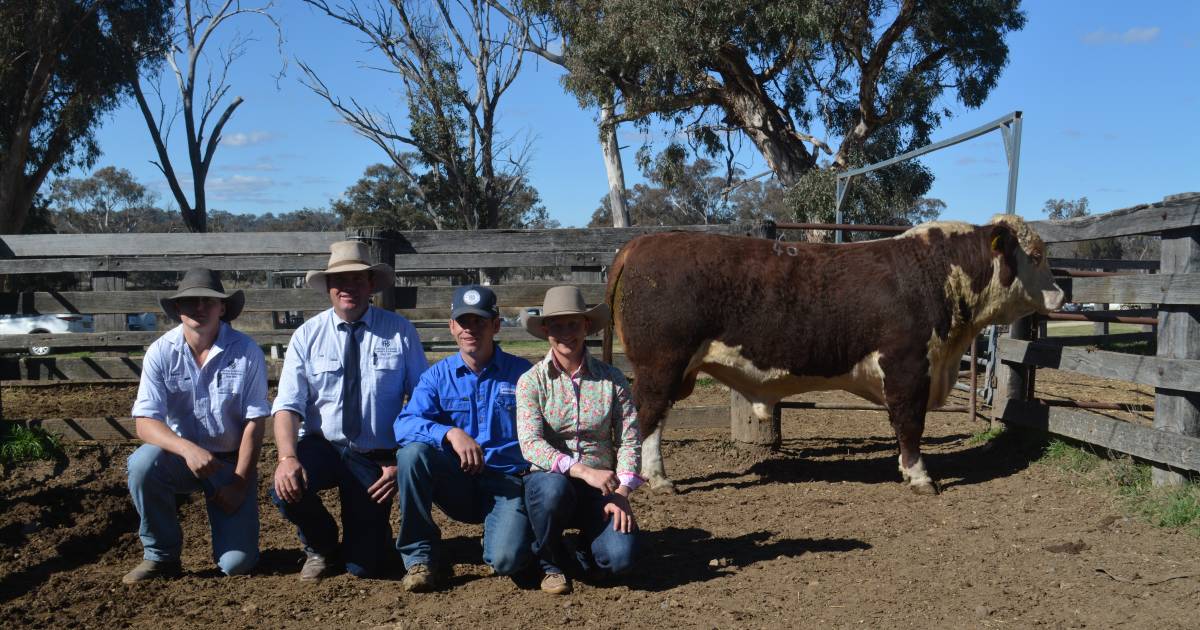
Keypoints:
pixel 887 320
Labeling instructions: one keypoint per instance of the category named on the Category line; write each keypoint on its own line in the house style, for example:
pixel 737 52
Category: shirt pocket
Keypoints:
pixel 178 383
pixel 504 416
pixel 326 375
pixel 387 376
pixel 229 380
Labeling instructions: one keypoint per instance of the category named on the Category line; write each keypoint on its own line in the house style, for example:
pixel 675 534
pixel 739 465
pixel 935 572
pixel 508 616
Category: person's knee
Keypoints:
pixel 509 561
pixel 414 457
pixel 141 463
pixel 361 568
pixel 237 562
pixel 618 555
pixel 549 489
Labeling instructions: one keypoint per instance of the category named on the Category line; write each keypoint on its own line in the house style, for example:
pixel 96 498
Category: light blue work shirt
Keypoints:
pixel 484 406
pixel 207 405
pixel 390 361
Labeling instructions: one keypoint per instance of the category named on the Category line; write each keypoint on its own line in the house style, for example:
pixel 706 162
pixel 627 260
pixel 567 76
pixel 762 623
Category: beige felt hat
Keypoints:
pixel 566 300
pixel 351 256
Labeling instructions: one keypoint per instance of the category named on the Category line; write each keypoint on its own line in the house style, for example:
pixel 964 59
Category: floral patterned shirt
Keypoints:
pixel 590 419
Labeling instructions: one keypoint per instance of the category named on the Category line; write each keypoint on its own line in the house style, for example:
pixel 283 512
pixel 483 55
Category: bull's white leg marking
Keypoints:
pixel 917 477
pixel 652 462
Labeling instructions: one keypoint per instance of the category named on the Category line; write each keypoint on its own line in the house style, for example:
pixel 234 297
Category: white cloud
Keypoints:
pixel 1135 35
pixel 246 139
pixel 238 188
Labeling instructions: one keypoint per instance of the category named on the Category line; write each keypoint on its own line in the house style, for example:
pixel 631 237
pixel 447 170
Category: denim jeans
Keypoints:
pixel 426 476
pixel 556 502
pixel 156 476
pixel 366 532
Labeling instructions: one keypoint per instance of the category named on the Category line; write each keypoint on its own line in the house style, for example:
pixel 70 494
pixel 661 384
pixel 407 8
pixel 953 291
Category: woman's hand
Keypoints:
pixel 605 481
pixel 622 513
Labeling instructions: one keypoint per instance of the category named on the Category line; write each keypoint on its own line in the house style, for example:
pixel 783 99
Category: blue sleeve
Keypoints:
pixel 415 363
pixel 419 421
pixel 293 384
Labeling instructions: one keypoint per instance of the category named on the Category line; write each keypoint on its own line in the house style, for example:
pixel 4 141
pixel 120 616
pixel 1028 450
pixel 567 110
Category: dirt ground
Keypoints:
pixel 821 534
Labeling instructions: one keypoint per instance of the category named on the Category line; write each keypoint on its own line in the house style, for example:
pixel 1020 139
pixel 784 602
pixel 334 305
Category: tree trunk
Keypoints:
pixel 612 165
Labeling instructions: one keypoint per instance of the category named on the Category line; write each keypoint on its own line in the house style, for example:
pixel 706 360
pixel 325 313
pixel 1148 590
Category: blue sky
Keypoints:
pixel 1109 93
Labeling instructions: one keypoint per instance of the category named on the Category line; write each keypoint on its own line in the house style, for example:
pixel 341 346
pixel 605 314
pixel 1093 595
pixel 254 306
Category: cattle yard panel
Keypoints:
pixel 1173 444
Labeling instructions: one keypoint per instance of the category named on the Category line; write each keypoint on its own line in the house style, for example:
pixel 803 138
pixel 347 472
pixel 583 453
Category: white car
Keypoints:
pixel 54 324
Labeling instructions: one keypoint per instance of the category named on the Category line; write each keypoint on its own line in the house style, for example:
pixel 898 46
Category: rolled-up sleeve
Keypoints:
pixel 151 399
pixel 256 404
pixel 418 422
pixel 293 386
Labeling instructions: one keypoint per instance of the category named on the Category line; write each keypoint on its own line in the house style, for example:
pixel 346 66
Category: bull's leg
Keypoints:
pixel 652 461
pixel 908 421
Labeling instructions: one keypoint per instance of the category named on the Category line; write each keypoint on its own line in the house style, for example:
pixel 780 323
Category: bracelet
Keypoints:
pixel 288 457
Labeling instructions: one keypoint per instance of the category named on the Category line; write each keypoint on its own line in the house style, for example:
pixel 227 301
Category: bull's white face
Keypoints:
pixel 1033 288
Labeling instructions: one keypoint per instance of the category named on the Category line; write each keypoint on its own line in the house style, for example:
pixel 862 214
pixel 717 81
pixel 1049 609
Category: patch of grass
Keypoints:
pixel 1069 457
pixel 985 436
pixel 19 444
pixel 1171 507
pixel 705 381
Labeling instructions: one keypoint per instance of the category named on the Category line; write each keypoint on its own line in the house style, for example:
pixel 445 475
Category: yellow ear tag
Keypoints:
pixel 996 243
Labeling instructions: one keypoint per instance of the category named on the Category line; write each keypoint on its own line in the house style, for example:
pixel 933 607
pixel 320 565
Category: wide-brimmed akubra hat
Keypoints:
pixel 351 256
pixel 567 300
pixel 202 282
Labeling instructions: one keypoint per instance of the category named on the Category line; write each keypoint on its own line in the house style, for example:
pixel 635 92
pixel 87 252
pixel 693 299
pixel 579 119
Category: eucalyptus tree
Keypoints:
pixel 62 67
pixel 195 23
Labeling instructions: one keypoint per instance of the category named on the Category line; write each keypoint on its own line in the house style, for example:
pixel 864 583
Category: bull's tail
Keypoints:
pixel 611 296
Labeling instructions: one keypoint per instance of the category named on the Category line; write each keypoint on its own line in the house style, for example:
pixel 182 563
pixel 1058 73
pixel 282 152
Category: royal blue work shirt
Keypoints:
pixel 390 360
pixel 207 405
pixel 484 405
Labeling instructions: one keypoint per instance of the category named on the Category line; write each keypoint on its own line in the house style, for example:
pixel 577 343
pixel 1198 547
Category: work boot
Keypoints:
pixel 556 584
pixel 316 566
pixel 420 578
pixel 151 569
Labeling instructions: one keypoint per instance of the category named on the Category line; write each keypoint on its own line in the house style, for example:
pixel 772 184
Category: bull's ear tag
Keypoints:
pixel 996 242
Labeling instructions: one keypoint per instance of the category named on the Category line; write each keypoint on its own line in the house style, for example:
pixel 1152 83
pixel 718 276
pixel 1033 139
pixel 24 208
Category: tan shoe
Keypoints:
pixel 316 566
pixel 420 578
pixel 151 569
pixel 556 584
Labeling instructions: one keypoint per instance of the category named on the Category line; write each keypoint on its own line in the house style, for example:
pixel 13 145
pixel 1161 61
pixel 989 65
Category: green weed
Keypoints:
pixel 19 444
pixel 1069 457
pixel 985 436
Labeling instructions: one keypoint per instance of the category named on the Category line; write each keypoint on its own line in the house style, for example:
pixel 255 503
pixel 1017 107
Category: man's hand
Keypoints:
pixel 605 481
pixel 229 497
pixel 622 513
pixel 384 488
pixel 200 461
pixel 290 479
pixel 470 455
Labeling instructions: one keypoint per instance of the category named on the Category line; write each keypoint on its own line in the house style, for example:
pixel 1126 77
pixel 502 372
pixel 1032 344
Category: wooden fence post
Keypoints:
pixel 382 244
pixel 744 426
pixel 1178 338
pixel 1012 382
pixel 109 281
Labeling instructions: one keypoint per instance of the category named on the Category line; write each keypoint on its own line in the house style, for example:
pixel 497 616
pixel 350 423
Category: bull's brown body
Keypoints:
pixel 887 319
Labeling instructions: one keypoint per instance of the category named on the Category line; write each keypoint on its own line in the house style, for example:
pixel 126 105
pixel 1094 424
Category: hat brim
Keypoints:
pixel 385 277
pixel 470 310
pixel 234 302
pixel 597 317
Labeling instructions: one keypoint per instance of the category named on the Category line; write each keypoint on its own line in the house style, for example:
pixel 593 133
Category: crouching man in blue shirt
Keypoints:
pixel 459 449
pixel 200 410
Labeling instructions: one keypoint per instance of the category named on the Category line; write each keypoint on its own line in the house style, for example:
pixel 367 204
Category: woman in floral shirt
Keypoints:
pixel 578 427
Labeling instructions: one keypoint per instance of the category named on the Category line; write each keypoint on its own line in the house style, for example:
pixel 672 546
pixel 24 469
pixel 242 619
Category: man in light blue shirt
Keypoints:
pixel 200 409
pixel 344 380
pixel 459 449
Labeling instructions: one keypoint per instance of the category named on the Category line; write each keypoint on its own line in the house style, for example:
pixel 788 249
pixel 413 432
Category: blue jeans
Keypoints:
pixel 156 476
pixel 366 532
pixel 426 476
pixel 556 502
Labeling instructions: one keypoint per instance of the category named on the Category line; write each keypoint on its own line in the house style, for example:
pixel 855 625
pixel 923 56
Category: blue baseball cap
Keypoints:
pixel 474 299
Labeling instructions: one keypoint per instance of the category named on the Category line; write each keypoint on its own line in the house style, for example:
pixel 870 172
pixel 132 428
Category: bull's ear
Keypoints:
pixel 1003 243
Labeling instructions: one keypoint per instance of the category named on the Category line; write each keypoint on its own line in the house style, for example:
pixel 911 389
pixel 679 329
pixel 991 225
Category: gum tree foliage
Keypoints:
pixel 108 201
pixel 63 65
pixel 384 196
pixel 454 62
pixel 815 85
pixel 200 91
pixel 1061 209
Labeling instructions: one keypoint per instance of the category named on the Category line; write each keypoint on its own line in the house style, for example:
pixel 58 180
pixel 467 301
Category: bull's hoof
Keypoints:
pixel 663 485
pixel 928 488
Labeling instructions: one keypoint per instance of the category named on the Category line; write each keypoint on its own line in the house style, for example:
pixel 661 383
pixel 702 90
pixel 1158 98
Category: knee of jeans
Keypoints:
pixel 549 488
pixel 140 463
pixel 509 561
pixel 236 562
pixel 619 555
pixel 360 569
pixel 412 456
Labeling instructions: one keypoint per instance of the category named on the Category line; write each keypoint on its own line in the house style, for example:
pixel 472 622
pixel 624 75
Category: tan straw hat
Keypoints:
pixel 203 282
pixel 351 256
pixel 566 300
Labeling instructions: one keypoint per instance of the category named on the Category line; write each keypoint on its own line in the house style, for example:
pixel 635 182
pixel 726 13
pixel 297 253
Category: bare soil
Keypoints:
pixel 821 534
